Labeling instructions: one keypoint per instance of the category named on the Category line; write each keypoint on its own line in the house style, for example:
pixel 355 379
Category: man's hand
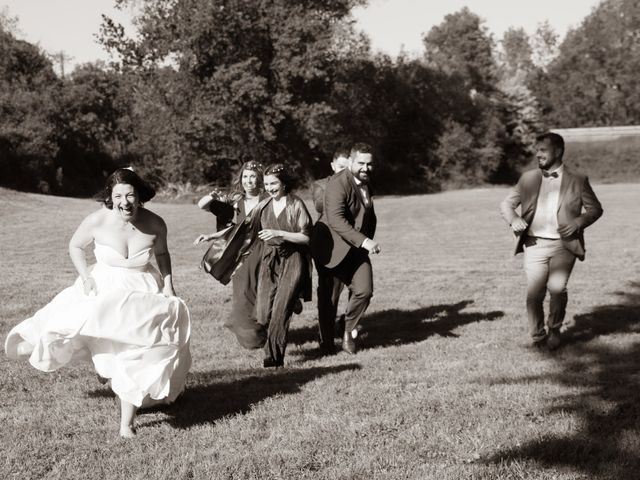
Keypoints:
pixel 89 286
pixel 568 229
pixel 371 246
pixel 518 225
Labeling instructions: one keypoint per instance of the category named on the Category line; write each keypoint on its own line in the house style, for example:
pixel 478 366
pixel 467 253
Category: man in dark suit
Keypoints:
pixel 342 240
pixel 329 287
pixel 556 205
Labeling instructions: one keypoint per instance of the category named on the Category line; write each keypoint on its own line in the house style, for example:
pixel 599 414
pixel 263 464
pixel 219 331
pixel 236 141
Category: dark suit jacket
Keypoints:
pixel 317 191
pixel 345 223
pixel 576 195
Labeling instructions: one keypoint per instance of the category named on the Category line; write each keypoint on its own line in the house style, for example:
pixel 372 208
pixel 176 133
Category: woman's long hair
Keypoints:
pixel 236 186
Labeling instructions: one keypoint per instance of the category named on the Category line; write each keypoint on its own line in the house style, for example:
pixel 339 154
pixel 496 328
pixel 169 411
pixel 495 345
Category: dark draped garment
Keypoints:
pixel 283 276
pixel 242 320
pixel 256 267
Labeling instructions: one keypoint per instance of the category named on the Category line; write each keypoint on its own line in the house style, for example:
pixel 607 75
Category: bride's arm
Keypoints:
pixel 161 251
pixel 81 238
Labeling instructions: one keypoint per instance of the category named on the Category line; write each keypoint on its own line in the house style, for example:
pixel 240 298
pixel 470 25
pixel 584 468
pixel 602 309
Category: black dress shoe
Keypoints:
pixel 348 345
pixel 538 345
pixel 297 307
pixel 327 348
pixel 340 326
pixel 272 362
pixel 554 339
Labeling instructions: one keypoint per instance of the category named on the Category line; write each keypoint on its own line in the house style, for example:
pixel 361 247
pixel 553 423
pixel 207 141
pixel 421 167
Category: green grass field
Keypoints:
pixel 445 386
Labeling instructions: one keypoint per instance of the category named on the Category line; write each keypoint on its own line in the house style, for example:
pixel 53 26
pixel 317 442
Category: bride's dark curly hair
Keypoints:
pixel 126 176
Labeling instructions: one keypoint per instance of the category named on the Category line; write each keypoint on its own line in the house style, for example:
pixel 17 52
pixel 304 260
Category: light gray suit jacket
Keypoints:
pixel 577 202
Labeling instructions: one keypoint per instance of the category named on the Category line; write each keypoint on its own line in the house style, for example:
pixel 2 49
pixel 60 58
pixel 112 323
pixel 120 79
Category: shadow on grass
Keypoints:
pixel 606 319
pixel 214 395
pixel 608 375
pixel 398 327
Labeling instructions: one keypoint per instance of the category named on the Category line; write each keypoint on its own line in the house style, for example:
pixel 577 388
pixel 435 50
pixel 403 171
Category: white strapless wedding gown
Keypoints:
pixel 135 336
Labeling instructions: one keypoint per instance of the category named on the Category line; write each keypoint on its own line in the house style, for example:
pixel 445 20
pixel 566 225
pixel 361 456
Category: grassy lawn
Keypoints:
pixel 445 386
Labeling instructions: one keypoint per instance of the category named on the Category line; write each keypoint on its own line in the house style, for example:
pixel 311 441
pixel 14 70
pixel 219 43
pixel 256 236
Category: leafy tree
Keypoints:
pixel 516 54
pixel 8 23
pixel 594 80
pixel 92 128
pixel 58 135
pixel 462 45
pixel 27 134
pixel 402 106
pixel 516 71
pixel 253 75
pixel 490 147
pixel 544 45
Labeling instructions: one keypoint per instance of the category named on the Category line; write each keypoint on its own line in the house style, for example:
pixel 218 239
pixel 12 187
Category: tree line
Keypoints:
pixel 206 85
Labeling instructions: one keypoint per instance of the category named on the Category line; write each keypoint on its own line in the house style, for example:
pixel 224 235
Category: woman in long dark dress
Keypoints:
pixel 285 273
pixel 232 209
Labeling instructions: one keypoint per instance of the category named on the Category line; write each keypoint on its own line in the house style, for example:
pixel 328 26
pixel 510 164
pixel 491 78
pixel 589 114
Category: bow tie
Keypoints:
pixel 547 174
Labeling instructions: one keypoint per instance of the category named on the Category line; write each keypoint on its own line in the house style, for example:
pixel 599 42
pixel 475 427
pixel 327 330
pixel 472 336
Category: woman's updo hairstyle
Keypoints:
pixel 280 172
pixel 126 176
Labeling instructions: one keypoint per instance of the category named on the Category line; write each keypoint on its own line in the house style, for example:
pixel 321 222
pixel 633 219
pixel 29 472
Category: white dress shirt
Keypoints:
pixel 363 191
pixel 545 220
pixel 365 196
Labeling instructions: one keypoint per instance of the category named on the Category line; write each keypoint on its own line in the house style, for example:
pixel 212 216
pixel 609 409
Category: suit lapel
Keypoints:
pixel 564 186
pixel 535 192
pixel 355 186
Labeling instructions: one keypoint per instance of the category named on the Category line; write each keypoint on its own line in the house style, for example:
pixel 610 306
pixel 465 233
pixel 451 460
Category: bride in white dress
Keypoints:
pixel 121 313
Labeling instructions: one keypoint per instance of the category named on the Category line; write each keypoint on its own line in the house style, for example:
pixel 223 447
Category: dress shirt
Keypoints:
pixel 545 220
pixel 365 196
pixel 363 191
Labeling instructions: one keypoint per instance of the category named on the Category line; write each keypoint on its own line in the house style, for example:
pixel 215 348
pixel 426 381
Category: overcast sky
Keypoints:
pixel 70 25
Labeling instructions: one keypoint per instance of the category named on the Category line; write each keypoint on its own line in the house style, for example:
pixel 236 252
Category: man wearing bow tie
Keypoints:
pixel 556 205
pixel 342 240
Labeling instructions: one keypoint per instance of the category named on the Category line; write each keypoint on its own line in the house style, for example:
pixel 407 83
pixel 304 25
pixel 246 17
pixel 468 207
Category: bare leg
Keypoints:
pixel 127 415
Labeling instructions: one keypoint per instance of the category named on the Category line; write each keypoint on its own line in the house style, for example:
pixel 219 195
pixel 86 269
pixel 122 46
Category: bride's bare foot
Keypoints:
pixel 127 418
pixel 102 380
pixel 127 431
